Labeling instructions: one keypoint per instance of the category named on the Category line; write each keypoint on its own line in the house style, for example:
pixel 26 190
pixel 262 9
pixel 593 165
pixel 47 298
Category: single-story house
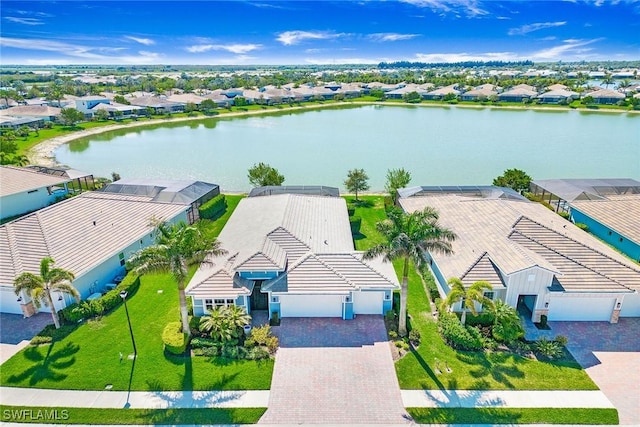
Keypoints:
pixel 118 111
pixel 43 112
pixel 292 255
pixel 558 96
pixel 24 190
pixel 79 181
pixel 518 93
pixel 401 92
pixel 184 192
pixel 159 104
pixel 309 190
pixel 84 104
pixel 535 260
pixel 9 122
pixel 91 235
pixel 605 96
pixel 186 98
pixel 481 93
pixel 439 94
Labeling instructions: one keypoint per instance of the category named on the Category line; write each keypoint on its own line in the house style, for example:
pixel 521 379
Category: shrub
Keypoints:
pixel 39 339
pixel 175 341
pixel 229 352
pixel 201 342
pixel 484 318
pixel 260 334
pixel 213 208
pixel 582 226
pixel 57 334
pixel 72 313
pixel 414 336
pixel 457 335
pixel 564 215
pixel 206 351
pixel 272 344
pixel 355 223
pixel 257 353
pixel 194 325
pixel 393 335
pixel 562 340
pixel 548 349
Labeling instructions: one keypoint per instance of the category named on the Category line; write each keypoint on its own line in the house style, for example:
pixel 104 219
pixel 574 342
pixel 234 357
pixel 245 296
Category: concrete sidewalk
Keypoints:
pixel 505 399
pixel 135 399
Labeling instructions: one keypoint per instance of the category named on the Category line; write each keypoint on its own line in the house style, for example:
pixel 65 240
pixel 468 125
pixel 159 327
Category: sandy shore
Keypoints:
pixel 42 153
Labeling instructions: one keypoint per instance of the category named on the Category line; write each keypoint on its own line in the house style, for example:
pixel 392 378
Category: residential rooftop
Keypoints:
pixel 14 180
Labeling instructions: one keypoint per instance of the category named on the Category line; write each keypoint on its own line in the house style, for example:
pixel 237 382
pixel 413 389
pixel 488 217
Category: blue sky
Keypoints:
pixel 316 32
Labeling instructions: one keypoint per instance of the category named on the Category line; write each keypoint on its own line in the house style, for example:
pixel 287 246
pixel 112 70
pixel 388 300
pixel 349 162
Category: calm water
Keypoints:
pixel 439 146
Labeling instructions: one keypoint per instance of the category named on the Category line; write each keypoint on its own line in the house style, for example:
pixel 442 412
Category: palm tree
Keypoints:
pixel 40 287
pixel 507 325
pixel 177 248
pixel 469 296
pixel 225 323
pixel 409 236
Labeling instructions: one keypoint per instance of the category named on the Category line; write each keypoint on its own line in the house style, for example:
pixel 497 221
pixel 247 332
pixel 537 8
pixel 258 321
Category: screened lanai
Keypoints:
pixel 561 192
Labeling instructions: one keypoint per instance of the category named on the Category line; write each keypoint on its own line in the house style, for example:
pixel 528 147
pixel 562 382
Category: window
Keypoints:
pixel 489 295
pixel 219 302
pixel 121 258
pixel 208 304
pixel 212 304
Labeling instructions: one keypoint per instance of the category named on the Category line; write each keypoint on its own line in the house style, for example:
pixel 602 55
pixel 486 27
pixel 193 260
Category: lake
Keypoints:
pixel 438 145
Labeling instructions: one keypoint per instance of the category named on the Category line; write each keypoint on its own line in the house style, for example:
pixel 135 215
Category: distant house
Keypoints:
pixel 44 112
pixel 185 192
pixel 400 93
pixel 309 190
pixel 439 94
pixel 91 235
pixel 518 93
pixel 118 111
pixel 481 93
pixel 605 96
pixel 9 122
pixel 8 102
pixel 186 98
pixel 159 105
pixel 293 256
pixel 23 190
pixel 535 261
pixel 558 96
pixel 84 104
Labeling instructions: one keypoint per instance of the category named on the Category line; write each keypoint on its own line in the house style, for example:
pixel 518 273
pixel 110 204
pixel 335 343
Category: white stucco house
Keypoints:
pixel 535 260
pixel 24 190
pixel 91 235
pixel 293 255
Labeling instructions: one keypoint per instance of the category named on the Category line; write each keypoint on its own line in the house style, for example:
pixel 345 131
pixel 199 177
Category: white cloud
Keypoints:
pixel 288 38
pixel 327 61
pixel 471 8
pixel 464 56
pixel 141 40
pixel 24 21
pixel 570 50
pixel 390 37
pixel 233 48
pixel 525 29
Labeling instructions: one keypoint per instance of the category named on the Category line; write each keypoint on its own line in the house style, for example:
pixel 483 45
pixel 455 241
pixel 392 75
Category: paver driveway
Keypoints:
pixel 333 371
pixel 610 353
pixel 16 332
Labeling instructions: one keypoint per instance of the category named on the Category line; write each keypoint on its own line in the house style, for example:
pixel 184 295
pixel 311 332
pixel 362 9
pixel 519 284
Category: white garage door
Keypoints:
pixel 630 306
pixel 581 309
pixel 367 302
pixel 8 301
pixel 311 306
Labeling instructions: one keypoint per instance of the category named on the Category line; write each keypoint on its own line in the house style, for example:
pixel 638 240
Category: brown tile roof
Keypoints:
pixel 619 213
pixel 15 180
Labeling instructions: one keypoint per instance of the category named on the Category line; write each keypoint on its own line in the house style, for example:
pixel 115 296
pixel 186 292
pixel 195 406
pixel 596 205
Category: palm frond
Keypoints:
pixel 27 282
pixel 66 288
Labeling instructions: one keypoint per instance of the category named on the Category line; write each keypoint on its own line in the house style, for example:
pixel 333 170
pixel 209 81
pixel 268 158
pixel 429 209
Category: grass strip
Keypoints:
pixel 194 416
pixel 514 415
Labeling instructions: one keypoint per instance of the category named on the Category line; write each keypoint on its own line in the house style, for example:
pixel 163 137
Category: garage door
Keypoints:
pixel 311 306
pixel 367 302
pixel 591 309
pixel 630 306
pixel 8 301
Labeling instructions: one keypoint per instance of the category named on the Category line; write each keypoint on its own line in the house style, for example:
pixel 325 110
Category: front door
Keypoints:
pixel 259 300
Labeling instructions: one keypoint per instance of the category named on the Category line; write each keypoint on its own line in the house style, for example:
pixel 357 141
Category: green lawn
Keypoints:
pixel 193 416
pixel 371 210
pixel 513 415
pixel 89 357
pixel 470 370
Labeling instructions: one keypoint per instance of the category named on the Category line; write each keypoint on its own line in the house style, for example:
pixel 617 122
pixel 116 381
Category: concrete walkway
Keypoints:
pixel 505 399
pixel 136 399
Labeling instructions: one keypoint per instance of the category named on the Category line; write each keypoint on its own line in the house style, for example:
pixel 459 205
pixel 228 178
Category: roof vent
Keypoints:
pixel 94 223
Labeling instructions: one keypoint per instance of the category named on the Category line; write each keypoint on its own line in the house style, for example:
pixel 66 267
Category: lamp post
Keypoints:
pixel 123 295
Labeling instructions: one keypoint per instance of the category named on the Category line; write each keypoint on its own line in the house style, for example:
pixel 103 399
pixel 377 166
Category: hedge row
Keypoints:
pixel 175 341
pixel 78 311
pixel 458 335
pixel 214 207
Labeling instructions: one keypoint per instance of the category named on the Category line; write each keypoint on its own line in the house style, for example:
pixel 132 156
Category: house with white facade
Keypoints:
pixel 535 260
pixel 24 190
pixel 292 255
pixel 92 235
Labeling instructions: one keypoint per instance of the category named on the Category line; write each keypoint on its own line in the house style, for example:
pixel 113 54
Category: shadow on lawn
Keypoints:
pixel 500 366
pixel 47 367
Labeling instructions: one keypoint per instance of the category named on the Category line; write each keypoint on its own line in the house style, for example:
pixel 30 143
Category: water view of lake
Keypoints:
pixel 438 145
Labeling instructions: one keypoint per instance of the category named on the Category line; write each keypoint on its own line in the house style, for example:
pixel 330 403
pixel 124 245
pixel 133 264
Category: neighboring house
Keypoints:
pixel 91 235
pixel 401 92
pixel 159 104
pixel 119 111
pixel 8 122
pixel 518 93
pixel 7 102
pixel 558 96
pixel 536 261
pixel 439 94
pixel 481 93
pixel 292 255
pixel 85 104
pixel 44 112
pixel 23 190
pixel 609 207
pixel 78 180
pixel 309 190
pixel 605 96
pixel 187 98
pixel 184 192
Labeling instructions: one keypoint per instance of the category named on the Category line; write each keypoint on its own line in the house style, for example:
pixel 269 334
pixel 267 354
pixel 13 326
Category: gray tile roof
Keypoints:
pixel 15 180
pixel 79 233
pixel 620 213
pixel 517 235
pixel 220 283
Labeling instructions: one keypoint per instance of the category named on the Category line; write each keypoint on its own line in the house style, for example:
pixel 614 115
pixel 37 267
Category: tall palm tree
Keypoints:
pixel 40 287
pixel 469 296
pixel 177 248
pixel 408 236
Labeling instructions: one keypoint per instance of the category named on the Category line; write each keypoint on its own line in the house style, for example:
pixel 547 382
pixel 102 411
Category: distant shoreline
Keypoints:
pixel 42 153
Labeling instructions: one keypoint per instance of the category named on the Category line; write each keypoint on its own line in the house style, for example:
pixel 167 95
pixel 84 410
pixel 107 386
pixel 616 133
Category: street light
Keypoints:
pixel 123 295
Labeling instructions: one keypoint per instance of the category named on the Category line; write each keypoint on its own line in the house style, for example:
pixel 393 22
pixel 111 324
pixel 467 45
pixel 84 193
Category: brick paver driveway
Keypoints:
pixel 15 332
pixel 610 353
pixel 333 371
